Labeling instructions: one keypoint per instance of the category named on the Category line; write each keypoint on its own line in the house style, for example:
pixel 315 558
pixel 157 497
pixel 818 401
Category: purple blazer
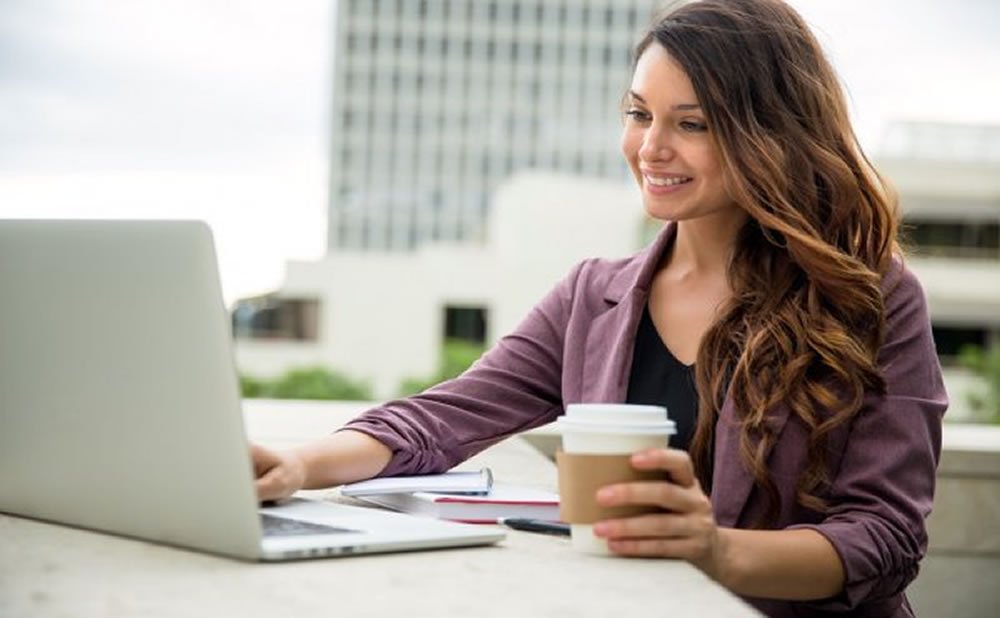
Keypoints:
pixel 576 346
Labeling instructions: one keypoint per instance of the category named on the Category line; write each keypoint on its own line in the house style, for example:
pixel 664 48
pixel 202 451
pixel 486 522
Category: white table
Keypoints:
pixel 52 571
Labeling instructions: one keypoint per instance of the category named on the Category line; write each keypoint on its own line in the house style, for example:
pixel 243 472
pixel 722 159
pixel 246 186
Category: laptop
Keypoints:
pixel 120 408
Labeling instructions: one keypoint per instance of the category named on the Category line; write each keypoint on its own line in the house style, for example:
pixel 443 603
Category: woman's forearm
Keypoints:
pixel 342 457
pixel 797 565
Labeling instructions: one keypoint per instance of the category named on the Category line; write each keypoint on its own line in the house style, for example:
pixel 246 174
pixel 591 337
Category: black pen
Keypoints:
pixel 535 525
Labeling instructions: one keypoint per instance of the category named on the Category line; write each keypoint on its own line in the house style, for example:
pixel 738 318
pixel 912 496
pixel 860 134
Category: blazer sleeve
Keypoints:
pixel 515 386
pixel 884 489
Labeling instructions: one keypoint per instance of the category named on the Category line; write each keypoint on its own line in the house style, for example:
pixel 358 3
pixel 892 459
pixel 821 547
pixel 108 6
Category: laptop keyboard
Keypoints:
pixel 283 526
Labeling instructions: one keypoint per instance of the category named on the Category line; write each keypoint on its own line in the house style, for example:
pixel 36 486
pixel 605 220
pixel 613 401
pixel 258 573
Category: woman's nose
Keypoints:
pixel 656 145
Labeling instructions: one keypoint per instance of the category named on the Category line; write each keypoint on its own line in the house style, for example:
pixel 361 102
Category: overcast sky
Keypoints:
pixel 217 109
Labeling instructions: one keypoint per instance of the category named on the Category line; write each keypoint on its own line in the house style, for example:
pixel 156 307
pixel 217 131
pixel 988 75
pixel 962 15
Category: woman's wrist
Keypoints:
pixel 342 457
pixel 796 565
pixel 718 563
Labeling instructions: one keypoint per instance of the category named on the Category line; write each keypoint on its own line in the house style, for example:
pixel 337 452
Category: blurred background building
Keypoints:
pixel 388 316
pixel 438 105
pixel 948 176
pixel 435 103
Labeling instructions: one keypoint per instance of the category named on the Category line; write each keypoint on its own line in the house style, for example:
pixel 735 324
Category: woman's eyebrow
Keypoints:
pixel 635 95
pixel 679 107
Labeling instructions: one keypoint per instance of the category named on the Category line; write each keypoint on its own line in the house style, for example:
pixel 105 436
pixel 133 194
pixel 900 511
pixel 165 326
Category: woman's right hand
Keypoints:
pixel 278 474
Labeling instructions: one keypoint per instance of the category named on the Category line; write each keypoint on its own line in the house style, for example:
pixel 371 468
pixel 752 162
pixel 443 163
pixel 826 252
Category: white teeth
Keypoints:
pixel 666 182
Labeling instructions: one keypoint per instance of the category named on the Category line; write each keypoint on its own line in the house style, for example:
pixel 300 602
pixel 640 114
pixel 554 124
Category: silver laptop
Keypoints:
pixel 119 403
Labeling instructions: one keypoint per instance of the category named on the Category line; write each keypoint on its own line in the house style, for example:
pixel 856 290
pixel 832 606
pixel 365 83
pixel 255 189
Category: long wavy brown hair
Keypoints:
pixel 806 317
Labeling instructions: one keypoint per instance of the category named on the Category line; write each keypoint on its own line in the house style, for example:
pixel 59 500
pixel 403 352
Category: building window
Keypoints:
pixel 949 341
pixel 274 318
pixel 962 239
pixel 465 323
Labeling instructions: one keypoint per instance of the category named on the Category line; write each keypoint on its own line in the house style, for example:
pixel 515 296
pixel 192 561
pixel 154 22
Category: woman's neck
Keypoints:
pixel 704 245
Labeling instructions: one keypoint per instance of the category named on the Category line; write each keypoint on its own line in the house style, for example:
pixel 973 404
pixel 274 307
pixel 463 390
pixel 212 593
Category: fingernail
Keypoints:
pixel 600 528
pixel 605 495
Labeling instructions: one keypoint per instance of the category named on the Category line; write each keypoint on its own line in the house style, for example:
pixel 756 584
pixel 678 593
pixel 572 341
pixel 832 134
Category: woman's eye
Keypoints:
pixel 637 114
pixel 693 127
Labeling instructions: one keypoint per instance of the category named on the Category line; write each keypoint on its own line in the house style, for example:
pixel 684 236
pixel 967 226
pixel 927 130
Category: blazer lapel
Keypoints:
pixel 611 338
pixel 608 353
pixel 732 481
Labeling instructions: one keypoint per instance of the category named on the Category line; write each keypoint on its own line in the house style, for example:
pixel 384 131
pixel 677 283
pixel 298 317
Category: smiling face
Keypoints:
pixel 667 144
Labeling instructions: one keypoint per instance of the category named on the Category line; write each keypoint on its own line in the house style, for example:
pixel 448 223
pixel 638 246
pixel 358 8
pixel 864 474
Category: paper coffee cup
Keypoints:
pixel 597 440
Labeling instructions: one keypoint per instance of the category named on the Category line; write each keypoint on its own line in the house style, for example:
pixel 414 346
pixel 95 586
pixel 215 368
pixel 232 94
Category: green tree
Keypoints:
pixel 986 364
pixel 457 355
pixel 307 383
pixel 252 387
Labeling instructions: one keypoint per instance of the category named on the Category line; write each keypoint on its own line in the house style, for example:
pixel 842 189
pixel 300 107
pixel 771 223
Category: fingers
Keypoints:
pixel 275 475
pixel 274 485
pixel 687 548
pixel 267 488
pixel 676 462
pixel 665 525
pixel 663 494
pixel 686 531
pixel 653 525
pixel 683 494
pixel 263 459
pixel 667 535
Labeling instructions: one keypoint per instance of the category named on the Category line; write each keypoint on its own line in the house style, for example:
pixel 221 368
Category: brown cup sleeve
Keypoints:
pixel 581 475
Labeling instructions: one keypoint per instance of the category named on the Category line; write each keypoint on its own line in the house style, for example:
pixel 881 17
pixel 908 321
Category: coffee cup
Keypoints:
pixel 597 443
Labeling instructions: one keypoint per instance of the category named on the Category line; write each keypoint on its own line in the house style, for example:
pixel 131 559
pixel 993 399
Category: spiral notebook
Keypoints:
pixel 474 482
pixel 502 501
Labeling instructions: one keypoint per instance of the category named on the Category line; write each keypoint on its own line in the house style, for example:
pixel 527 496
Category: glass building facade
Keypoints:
pixel 437 101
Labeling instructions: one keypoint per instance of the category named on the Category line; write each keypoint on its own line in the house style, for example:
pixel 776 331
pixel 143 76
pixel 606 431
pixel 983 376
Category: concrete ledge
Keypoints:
pixel 960 574
pixel 966 517
pixel 970 450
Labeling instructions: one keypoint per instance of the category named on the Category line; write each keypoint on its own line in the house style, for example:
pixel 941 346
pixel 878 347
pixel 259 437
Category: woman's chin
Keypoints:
pixel 662 212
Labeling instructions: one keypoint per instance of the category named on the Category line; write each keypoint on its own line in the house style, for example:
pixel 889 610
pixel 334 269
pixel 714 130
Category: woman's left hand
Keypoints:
pixel 687 530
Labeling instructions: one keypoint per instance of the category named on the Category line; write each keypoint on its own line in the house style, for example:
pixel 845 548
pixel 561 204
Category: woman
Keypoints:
pixel 773 315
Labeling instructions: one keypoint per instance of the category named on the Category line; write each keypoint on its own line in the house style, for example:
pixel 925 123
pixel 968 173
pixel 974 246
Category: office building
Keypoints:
pixel 435 102
pixel 948 178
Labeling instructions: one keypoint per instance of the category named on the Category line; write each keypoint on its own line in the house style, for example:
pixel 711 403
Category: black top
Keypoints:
pixel 658 378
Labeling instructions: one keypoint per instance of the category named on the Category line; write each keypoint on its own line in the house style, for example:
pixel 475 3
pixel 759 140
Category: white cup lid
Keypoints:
pixel 663 427
pixel 615 412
